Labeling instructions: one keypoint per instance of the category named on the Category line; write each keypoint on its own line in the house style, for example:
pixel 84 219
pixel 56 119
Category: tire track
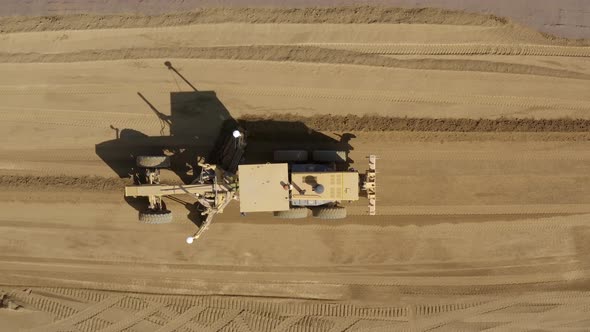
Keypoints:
pixel 279 309
pixel 458 49
pixel 240 324
pixel 122 325
pixel 309 323
pixel 296 309
pixel 434 309
pixel 81 295
pixel 209 316
pixel 54 307
pixel 81 316
pixel 471 313
pixel 343 325
pixel 133 303
pixel 179 321
pixel 260 321
pixel 425 324
pixel 162 316
pixel 287 323
pixel 224 320
pixel 425 316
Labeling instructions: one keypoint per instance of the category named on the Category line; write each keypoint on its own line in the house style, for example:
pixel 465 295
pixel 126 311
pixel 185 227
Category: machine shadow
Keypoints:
pixel 190 131
pixel 199 126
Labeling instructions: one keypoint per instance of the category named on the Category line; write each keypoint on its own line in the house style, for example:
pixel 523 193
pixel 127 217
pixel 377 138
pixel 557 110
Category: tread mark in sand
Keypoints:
pixel 223 321
pixel 241 325
pixel 303 309
pixel 179 321
pixel 428 323
pixel 287 323
pixel 80 295
pixel 133 319
pixel 260 320
pixel 344 324
pixel 46 304
pixel 81 316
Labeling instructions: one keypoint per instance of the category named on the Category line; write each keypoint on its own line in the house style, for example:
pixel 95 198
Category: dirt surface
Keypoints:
pixel 481 126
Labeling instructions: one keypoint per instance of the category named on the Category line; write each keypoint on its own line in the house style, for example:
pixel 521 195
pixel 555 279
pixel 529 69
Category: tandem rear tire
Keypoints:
pixel 292 213
pixel 330 213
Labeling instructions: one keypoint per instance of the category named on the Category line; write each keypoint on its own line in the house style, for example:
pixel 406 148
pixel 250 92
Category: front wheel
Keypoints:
pixel 153 161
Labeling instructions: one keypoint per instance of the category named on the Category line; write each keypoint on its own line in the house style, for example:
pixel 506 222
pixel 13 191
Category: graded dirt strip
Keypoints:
pixel 292 53
pixel 87 95
pixel 81 118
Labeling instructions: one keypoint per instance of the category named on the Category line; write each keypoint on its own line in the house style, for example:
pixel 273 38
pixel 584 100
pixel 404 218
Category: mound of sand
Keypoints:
pixel 352 122
pixel 347 15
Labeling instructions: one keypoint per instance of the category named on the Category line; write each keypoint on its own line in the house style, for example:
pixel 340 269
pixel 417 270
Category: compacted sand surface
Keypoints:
pixel 481 126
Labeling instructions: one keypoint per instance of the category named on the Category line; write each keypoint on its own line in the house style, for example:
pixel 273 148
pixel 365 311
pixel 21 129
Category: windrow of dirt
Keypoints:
pixel 308 54
pixel 264 125
pixel 336 15
pixel 91 183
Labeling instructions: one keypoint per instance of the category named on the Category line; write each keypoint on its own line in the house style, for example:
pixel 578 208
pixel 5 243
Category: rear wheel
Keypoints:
pixel 292 213
pixel 330 213
pixel 155 217
pixel 329 156
pixel 153 161
pixel 290 156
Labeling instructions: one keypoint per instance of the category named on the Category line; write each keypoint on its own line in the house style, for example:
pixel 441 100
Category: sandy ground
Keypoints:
pixel 481 131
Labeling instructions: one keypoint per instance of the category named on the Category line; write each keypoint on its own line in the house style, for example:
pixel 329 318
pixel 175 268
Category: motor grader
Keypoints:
pixel 289 187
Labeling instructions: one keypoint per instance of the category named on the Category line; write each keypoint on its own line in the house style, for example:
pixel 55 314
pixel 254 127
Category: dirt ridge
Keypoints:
pixel 335 15
pixel 329 122
pixel 307 54
pixel 97 183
